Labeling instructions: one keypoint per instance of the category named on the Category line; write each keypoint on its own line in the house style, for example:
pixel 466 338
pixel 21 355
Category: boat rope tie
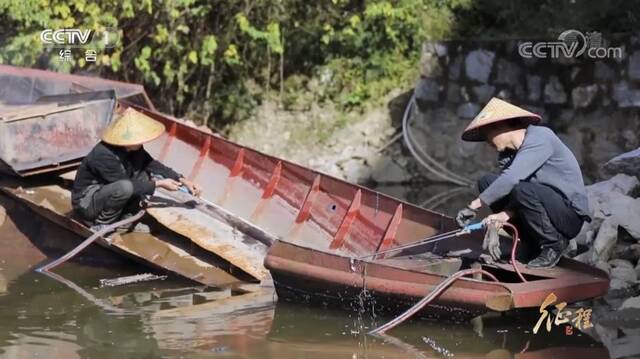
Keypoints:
pixel 440 288
pixel 99 234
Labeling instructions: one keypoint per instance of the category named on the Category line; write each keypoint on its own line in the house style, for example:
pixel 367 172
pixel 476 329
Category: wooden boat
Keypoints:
pixel 321 222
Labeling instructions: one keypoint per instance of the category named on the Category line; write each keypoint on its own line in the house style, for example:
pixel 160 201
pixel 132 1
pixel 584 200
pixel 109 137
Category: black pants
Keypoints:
pixel 543 216
pixel 105 204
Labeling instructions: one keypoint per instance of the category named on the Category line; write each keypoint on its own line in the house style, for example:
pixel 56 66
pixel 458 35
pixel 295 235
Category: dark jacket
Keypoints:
pixel 107 164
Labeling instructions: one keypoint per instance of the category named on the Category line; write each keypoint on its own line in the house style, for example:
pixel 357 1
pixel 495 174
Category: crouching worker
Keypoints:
pixel 539 188
pixel 118 173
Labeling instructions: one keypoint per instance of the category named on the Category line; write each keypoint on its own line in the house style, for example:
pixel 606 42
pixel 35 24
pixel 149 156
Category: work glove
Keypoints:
pixel 491 242
pixel 465 216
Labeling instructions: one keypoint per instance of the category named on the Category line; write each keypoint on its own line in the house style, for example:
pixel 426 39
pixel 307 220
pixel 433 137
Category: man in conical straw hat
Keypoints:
pixel 539 187
pixel 118 172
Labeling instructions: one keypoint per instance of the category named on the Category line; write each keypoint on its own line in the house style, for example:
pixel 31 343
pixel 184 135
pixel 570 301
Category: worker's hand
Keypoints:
pixel 491 242
pixel 499 218
pixel 194 188
pixel 465 216
pixel 493 223
pixel 168 184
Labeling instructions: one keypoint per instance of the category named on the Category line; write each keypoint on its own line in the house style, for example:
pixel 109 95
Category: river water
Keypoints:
pixel 72 316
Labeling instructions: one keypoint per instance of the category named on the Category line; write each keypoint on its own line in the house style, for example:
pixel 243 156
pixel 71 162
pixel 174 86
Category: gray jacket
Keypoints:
pixel 542 158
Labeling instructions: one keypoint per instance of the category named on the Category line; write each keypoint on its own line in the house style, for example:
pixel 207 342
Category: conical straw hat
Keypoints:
pixel 495 111
pixel 132 128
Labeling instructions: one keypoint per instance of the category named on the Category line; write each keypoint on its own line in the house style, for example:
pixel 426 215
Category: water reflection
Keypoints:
pixel 70 316
pixel 41 316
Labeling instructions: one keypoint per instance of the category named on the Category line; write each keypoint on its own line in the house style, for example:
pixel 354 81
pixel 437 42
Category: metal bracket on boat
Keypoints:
pixel 352 264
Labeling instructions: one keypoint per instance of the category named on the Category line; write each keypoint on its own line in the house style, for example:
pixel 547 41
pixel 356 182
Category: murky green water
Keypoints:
pixel 42 317
pixel 71 316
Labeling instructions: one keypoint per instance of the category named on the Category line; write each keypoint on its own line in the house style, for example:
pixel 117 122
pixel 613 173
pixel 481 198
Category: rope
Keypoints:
pixel 423 157
pixel 88 241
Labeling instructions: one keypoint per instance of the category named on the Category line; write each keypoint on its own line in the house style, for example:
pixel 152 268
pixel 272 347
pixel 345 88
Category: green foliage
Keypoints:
pixel 216 60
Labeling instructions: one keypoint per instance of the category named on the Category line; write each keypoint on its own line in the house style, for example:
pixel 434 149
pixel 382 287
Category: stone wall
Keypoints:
pixel 593 104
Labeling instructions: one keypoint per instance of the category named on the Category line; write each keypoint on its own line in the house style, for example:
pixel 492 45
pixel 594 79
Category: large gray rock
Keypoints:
pixel 603 72
pixel 634 65
pixel 507 73
pixel 586 236
pixel 478 64
pixel 624 210
pixel 435 47
pixel 554 91
pixel 633 302
pixel 582 96
pixel 483 93
pixel 455 68
pixel 468 110
pixel 429 65
pixel 534 88
pixel 453 92
pixel 626 251
pixel 628 163
pixel 354 170
pixel 622 274
pixel 427 90
pixel 610 210
pixel 386 170
pixel 625 96
pixel 620 183
pixel 605 241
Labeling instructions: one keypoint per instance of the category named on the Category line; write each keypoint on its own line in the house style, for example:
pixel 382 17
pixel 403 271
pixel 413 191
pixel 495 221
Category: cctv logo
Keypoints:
pixel 66 38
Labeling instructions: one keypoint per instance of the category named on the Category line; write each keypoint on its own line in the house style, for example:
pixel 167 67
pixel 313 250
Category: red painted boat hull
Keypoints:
pixel 319 277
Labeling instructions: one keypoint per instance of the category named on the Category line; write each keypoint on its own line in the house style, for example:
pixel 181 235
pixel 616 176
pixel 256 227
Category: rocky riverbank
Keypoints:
pixel 611 242
pixel 352 146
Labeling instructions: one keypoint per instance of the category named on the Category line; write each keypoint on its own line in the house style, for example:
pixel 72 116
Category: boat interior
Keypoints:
pixel 290 202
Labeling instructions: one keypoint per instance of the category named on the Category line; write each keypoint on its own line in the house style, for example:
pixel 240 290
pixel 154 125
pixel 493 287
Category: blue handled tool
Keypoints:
pixel 438 237
pixel 473 227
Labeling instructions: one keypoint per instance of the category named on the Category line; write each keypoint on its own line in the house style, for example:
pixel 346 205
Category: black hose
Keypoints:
pixel 88 241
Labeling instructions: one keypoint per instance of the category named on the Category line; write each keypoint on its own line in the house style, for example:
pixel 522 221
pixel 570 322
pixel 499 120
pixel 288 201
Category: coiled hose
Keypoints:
pixel 422 156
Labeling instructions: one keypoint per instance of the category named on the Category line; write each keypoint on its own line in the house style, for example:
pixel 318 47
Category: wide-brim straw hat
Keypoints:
pixel 132 128
pixel 495 111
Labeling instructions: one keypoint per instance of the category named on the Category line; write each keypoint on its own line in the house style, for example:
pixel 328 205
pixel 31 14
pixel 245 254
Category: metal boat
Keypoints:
pixel 321 223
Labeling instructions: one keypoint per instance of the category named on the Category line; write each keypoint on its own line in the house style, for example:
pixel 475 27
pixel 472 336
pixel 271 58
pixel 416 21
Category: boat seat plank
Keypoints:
pixel 212 234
